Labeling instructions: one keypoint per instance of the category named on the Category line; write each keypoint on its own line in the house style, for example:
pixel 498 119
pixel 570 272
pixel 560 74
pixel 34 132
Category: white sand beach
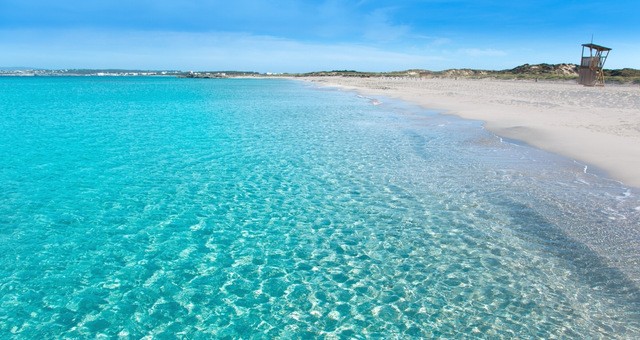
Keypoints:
pixel 598 126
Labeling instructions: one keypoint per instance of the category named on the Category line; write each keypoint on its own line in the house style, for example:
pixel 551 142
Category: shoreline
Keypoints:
pixel 597 126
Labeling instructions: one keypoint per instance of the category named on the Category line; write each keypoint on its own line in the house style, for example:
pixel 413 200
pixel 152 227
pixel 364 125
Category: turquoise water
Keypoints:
pixel 164 207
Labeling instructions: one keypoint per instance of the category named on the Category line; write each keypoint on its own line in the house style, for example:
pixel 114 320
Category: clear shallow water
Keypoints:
pixel 159 207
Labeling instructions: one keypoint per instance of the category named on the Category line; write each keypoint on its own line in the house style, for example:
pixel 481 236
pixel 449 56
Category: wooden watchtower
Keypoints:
pixel 590 71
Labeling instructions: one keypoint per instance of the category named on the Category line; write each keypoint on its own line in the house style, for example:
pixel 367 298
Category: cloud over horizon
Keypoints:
pixel 297 36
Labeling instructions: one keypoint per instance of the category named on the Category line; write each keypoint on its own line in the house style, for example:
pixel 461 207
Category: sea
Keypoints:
pixel 161 208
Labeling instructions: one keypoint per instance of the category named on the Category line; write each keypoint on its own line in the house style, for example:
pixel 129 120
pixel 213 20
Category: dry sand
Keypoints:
pixel 598 126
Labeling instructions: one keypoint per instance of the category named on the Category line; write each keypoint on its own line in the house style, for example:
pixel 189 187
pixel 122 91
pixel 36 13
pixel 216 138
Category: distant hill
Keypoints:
pixel 545 69
pixel 526 71
pixel 625 72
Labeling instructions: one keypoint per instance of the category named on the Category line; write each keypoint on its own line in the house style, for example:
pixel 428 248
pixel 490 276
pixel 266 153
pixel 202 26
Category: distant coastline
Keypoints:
pixel 562 72
pixel 34 72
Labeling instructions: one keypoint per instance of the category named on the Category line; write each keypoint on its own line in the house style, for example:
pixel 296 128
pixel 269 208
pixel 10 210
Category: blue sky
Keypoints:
pixel 299 36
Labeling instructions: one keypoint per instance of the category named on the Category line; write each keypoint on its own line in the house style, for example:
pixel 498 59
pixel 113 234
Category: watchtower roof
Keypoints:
pixel 597 47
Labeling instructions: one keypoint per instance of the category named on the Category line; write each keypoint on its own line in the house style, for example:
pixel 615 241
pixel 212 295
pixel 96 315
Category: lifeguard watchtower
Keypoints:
pixel 590 71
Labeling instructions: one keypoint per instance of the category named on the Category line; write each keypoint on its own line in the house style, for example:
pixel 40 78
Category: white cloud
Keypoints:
pixel 195 51
pixel 242 51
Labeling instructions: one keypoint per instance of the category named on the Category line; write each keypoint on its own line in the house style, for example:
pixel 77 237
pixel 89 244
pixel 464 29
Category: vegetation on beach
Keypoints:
pixel 522 72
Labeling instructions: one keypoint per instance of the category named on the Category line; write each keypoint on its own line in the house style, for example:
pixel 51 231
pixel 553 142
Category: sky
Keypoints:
pixel 304 35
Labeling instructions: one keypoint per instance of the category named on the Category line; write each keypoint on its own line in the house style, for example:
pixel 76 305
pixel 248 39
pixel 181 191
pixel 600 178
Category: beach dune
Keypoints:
pixel 597 126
